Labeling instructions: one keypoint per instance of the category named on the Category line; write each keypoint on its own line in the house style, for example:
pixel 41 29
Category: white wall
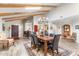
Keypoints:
pixel 66 10
pixel 35 20
pixel 1 24
pixel 28 24
pixel 17 22
pixel 76 30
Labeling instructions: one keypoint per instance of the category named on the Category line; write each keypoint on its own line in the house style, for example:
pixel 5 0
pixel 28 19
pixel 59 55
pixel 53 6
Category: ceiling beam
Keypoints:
pixel 18 18
pixel 24 5
pixel 17 13
pixel 14 18
pixel 13 13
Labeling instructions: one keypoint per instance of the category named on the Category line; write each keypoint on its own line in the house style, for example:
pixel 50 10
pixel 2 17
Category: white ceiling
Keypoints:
pixel 29 10
pixel 40 11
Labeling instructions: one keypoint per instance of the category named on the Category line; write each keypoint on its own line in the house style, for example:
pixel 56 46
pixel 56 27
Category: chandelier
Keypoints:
pixel 43 20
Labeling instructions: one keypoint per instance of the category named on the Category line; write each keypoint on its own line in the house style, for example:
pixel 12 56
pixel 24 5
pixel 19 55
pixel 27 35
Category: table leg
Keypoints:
pixel 45 48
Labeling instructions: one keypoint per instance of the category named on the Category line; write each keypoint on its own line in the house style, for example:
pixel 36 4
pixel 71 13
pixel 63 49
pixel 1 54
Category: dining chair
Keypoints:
pixel 51 34
pixel 34 33
pixel 50 42
pixel 46 33
pixel 54 45
pixel 38 43
pixel 32 40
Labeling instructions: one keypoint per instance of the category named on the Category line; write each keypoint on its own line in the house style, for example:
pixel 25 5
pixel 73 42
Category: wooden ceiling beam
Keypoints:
pixel 13 13
pixel 17 13
pixel 14 18
pixel 24 5
pixel 18 18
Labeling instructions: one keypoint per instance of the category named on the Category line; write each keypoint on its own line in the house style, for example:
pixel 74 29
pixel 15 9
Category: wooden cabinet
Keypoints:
pixel 66 30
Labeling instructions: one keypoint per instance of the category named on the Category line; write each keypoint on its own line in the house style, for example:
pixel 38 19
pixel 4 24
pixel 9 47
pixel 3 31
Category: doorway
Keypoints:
pixel 15 31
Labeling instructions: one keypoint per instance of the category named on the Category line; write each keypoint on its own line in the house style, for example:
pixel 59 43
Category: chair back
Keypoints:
pixel 51 35
pixel 36 39
pixel 34 33
pixel 46 33
pixel 32 39
pixel 56 41
pixel 74 35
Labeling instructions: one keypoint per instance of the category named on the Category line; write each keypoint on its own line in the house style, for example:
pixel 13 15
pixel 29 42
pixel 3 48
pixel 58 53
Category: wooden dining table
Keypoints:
pixel 45 39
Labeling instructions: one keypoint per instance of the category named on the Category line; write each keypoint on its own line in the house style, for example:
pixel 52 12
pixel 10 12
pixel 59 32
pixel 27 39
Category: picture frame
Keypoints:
pixel 3 27
pixel 77 27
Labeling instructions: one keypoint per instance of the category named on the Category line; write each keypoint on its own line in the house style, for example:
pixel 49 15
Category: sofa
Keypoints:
pixel 4 41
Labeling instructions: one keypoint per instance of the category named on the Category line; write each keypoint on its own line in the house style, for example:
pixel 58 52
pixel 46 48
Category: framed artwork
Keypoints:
pixel 76 26
pixel 3 27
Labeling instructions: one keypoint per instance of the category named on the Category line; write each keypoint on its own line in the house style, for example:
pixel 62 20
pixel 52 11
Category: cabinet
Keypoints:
pixel 66 30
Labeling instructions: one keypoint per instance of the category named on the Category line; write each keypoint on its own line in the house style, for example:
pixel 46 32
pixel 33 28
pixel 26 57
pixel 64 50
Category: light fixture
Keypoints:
pixel 43 20
pixel 33 8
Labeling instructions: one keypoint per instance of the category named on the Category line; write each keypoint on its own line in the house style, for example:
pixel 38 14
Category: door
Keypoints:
pixel 14 31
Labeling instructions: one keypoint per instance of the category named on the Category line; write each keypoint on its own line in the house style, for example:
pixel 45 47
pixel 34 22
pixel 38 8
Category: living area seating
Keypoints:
pixel 71 37
pixel 4 41
pixel 11 41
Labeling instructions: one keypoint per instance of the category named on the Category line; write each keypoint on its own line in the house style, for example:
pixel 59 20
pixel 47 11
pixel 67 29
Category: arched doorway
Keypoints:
pixel 66 30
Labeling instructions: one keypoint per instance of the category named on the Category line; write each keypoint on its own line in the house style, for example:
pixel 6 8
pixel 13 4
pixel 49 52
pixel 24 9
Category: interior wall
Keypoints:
pixel 28 23
pixel 1 25
pixel 35 20
pixel 8 27
pixel 76 30
pixel 64 11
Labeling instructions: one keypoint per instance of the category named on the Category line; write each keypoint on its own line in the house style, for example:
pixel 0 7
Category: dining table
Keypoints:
pixel 45 39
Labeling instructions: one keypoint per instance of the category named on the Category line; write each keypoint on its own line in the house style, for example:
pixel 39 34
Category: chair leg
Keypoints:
pixel 38 49
pixel 33 46
pixel 57 51
pixel 52 52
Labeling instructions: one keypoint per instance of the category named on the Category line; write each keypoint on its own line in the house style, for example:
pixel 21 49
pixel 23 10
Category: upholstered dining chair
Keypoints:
pixel 46 33
pixel 54 45
pixel 32 40
pixel 34 33
pixel 36 42
pixel 51 34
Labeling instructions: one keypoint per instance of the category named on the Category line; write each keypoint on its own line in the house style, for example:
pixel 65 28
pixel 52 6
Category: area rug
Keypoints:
pixel 33 52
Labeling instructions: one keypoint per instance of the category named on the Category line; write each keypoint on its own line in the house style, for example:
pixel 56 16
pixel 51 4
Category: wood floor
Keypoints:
pixel 70 45
pixel 19 50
